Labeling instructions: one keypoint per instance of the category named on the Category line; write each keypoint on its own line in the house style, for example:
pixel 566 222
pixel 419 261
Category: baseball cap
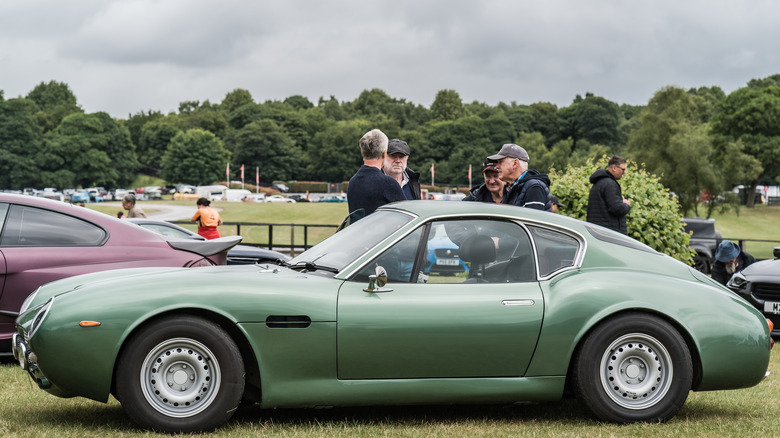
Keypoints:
pixel 489 165
pixel 557 201
pixel 512 151
pixel 396 146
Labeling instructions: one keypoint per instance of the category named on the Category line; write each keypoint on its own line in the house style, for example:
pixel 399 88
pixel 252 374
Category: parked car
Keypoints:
pixel 333 198
pixel 43 240
pixel 299 198
pixel 704 240
pixel 278 198
pixel 548 303
pixel 238 255
pixel 442 256
pixel 759 284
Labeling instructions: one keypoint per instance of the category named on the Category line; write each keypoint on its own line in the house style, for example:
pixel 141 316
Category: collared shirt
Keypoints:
pixel 508 188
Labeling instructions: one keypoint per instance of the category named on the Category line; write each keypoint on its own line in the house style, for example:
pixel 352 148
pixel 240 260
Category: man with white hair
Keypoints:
pixel 525 187
pixel 369 188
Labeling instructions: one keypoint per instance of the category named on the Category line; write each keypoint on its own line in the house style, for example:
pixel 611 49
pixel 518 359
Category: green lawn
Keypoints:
pixel 759 223
pixel 26 411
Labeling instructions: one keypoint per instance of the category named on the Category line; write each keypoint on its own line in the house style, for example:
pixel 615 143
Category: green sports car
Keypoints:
pixel 548 302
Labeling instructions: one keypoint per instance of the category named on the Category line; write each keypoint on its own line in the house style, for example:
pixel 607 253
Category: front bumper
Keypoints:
pixel 28 360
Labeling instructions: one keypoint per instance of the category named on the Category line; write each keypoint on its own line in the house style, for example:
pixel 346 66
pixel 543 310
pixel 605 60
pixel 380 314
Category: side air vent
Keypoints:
pixel 287 321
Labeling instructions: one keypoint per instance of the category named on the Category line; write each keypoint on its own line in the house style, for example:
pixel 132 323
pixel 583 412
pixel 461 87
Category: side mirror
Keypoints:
pixel 376 281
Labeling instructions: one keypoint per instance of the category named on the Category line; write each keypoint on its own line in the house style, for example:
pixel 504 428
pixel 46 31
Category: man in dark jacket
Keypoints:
pixel 369 188
pixel 492 190
pixel 525 187
pixel 606 205
pixel 395 166
pixel 729 258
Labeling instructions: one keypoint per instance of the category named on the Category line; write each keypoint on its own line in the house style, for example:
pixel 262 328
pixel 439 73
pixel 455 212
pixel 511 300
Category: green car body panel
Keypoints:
pixel 414 343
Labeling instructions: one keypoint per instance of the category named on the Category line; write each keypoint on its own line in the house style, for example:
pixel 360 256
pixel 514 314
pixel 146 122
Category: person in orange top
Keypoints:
pixel 207 218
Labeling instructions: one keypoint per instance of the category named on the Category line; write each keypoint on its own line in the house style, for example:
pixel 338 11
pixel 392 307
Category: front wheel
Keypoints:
pixel 180 374
pixel 635 367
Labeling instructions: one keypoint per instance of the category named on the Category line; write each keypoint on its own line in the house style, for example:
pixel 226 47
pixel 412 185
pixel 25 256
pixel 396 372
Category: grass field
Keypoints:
pixel 26 411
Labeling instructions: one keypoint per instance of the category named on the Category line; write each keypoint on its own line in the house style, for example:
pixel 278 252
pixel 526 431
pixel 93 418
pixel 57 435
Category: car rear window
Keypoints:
pixel 30 226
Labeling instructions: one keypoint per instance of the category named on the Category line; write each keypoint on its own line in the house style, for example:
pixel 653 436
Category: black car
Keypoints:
pixel 704 241
pixel 238 255
pixel 759 284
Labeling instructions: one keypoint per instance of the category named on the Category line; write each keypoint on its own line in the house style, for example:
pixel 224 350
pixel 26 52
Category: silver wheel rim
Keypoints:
pixel 636 371
pixel 180 377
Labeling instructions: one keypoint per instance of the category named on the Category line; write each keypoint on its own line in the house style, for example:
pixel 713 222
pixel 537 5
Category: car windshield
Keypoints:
pixel 347 245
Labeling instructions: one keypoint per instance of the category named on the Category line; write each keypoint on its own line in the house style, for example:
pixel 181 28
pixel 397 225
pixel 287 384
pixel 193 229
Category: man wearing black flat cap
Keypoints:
pixel 395 165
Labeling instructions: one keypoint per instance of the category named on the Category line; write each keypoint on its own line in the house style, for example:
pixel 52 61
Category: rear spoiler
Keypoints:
pixel 206 248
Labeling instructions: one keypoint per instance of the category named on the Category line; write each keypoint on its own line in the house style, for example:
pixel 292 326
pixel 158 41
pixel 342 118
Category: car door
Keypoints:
pixel 481 323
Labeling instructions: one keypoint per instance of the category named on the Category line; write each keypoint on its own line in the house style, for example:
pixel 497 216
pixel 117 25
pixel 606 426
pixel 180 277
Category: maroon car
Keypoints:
pixel 43 240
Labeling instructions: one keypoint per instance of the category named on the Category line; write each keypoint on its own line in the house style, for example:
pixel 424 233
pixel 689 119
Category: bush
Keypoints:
pixel 655 218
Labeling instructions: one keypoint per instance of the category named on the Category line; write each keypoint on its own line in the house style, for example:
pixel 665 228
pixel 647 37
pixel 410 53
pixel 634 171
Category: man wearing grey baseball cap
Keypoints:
pixel 525 187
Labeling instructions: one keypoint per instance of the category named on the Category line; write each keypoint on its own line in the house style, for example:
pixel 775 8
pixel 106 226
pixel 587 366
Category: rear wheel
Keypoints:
pixel 635 367
pixel 180 374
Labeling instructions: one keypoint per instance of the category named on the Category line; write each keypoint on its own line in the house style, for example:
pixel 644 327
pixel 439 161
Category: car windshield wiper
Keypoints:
pixel 308 266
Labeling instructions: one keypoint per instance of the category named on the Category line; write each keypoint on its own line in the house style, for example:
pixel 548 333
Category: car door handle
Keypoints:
pixel 525 303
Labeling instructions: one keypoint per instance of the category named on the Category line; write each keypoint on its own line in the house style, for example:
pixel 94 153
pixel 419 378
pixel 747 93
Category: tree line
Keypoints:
pixel 699 142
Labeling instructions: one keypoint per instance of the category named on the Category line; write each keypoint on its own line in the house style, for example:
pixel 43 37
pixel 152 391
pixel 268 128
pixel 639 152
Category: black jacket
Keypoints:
pixel 414 183
pixel 605 202
pixel 370 189
pixel 719 273
pixel 533 191
pixel 479 193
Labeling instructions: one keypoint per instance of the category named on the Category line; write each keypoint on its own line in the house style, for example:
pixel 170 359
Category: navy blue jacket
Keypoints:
pixel 533 191
pixel 370 189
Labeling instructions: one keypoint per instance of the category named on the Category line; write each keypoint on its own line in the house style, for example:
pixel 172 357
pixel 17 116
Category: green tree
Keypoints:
pixel 334 154
pixel 155 137
pixel 21 139
pixel 195 156
pixel 55 101
pixel 746 127
pixel 654 219
pixel 545 121
pixel 87 150
pixel 593 118
pixel 135 124
pixel 265 145
pixel 672 141
pixel 235 99
pixel 447 106
pixel 298 102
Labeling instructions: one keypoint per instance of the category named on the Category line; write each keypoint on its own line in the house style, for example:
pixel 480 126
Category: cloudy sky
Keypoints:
pixel 125 56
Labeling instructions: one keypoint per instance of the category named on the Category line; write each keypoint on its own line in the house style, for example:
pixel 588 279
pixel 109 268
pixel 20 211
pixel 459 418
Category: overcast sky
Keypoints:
pixel 126 56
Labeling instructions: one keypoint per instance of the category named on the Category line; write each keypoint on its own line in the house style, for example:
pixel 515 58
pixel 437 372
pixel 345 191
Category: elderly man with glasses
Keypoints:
pixel 524 187
pixel 606 205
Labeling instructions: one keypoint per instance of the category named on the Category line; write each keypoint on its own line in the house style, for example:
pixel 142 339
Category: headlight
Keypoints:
pixel 737 281
pixel 40 316
pixel 28 300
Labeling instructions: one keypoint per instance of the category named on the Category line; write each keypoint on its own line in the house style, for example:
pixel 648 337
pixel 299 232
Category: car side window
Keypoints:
pixel 30 226
pixel 556 250
pixel 398 261
pixel 459 251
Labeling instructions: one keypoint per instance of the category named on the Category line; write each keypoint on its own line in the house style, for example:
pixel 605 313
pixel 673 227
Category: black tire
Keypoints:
pixel 633 368
pixel 180 374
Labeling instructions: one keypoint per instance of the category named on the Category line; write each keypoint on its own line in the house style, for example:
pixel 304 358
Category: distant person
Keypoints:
pixel 120 214
pixel 128 203
pixel 606 205
pixel 556 204
pixel 729 258
pixel 492 190
pixel 525 187
pixel 395 166
pixel 369 188
pixel 207 218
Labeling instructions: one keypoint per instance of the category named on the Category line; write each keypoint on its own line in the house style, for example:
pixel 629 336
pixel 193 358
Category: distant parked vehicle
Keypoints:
pixel 333 198
pixel 238 255
pixel 278 198
pixel 704 241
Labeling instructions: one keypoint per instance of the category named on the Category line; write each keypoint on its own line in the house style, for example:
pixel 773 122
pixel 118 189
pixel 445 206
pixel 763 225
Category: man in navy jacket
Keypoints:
pixel 369 188
pixel 606 205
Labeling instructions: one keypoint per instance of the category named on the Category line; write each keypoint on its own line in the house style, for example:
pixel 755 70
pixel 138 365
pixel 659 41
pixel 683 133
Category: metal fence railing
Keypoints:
pixel 290 238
